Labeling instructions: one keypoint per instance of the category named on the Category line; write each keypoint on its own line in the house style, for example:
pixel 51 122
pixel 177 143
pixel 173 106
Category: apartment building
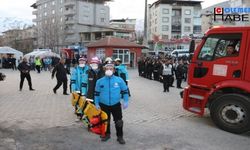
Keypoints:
pixel 126 25
pixel 169 20
pixel 61 23
pixel 20 39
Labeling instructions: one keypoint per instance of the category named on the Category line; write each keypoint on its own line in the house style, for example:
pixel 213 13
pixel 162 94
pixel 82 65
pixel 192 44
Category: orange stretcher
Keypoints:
pixel 95 119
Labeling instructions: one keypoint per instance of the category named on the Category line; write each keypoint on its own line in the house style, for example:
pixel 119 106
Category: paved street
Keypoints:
pixel 42 120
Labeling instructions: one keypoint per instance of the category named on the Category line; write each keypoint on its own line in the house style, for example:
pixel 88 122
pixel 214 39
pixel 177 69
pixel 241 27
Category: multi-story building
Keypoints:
pixel 128 24
pixel 20 39
pixel 125 25
pixel 61 23
pixel 169 20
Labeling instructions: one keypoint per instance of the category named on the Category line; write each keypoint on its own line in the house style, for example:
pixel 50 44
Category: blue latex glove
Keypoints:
pixel 125 105
pixel 97 106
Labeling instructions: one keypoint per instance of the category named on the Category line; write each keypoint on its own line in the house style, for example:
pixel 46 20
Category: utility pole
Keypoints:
pixel 145 39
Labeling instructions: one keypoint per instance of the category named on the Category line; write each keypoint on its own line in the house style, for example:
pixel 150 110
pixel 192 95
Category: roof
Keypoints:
pixel 177 2
pixel 9 50
pixel 114 42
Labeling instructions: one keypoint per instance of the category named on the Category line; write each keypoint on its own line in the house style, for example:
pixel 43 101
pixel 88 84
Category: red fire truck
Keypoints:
pixel 219 78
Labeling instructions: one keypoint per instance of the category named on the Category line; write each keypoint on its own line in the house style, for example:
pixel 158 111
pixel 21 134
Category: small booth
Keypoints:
pixel 114 47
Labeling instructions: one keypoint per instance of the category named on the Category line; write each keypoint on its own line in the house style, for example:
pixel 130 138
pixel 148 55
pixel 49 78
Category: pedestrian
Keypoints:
pixel 13 62
pixel 38 64
pixel 24 68
pixel 179 73
pixel 108 92
pixel 94 73
pixel 167 72
pixel 61 76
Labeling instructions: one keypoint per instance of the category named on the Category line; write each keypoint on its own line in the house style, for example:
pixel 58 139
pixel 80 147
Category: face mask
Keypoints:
pixel 82 65
pixel 108 73
pixel 94 66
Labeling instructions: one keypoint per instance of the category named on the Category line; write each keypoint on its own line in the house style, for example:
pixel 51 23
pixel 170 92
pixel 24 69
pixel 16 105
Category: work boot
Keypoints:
pixel 105 138
pixel 32 89
pixel 121 140
pixel 65 94
pixel 54 91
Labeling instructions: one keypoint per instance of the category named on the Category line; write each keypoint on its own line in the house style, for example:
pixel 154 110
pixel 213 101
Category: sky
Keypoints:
pixel 118 9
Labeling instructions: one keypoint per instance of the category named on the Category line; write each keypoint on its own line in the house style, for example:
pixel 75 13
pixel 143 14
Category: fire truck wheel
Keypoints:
pixel 231 112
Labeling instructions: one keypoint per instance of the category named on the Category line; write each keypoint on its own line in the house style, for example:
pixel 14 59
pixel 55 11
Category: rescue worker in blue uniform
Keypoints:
pixel 121 71
pixel 108 92
pixel 79 77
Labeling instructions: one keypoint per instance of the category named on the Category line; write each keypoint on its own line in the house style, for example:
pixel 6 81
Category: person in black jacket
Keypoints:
pixel 24 68
pixel 61 76
pixel 179 73
pixel 94 73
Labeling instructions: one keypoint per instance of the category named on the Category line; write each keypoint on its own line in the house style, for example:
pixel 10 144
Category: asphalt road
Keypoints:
pixel 154 120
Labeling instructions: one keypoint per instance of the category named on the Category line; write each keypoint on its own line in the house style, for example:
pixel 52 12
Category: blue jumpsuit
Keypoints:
pixel 79 80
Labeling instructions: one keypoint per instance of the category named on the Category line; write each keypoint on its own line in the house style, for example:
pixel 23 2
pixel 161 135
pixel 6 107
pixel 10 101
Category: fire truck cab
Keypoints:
pixel 219 78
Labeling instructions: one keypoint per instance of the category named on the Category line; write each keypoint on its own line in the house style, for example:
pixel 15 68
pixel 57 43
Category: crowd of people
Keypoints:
pixel 164 69
pixel 104 83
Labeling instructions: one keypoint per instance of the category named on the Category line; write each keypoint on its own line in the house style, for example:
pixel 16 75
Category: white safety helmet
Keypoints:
pixel 108 59
pixel 118 59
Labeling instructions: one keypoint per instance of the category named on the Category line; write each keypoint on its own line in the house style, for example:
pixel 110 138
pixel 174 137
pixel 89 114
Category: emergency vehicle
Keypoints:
pixel 219 81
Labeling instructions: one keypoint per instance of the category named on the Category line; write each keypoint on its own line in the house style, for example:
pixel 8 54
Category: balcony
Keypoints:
pixel 34 20
pixel 69 12
pixel 34 12
pixel 69 21
pixel 69 3
pixel 69 31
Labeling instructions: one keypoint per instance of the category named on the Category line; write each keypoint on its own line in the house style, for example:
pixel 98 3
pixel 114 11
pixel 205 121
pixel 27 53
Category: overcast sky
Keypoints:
pixel 118 9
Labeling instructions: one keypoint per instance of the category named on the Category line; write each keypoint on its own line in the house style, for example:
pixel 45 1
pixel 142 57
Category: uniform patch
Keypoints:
pixel 116 85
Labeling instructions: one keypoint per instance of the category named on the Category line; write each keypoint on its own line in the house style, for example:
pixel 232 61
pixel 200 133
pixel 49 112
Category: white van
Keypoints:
pixel 180 53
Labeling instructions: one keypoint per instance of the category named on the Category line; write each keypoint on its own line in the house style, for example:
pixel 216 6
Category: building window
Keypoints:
pixel 187 29
pixel 187 12
pixel 45 13
pixel 165 11
pixel 100 53
pixel 102 11
pixel 61 9
pixel 155 20
pixel 61 19
pixel 165 37
pixel 102 19
pixel 197 29
pixel 187 20
pixel 53 12
pixel 155 29
pixel 53 20
pixel 45 5
pixel 53 2
pixel 176 12
pixel 165 19
pixel 123 54
pixel 61 1
pixel 165 28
